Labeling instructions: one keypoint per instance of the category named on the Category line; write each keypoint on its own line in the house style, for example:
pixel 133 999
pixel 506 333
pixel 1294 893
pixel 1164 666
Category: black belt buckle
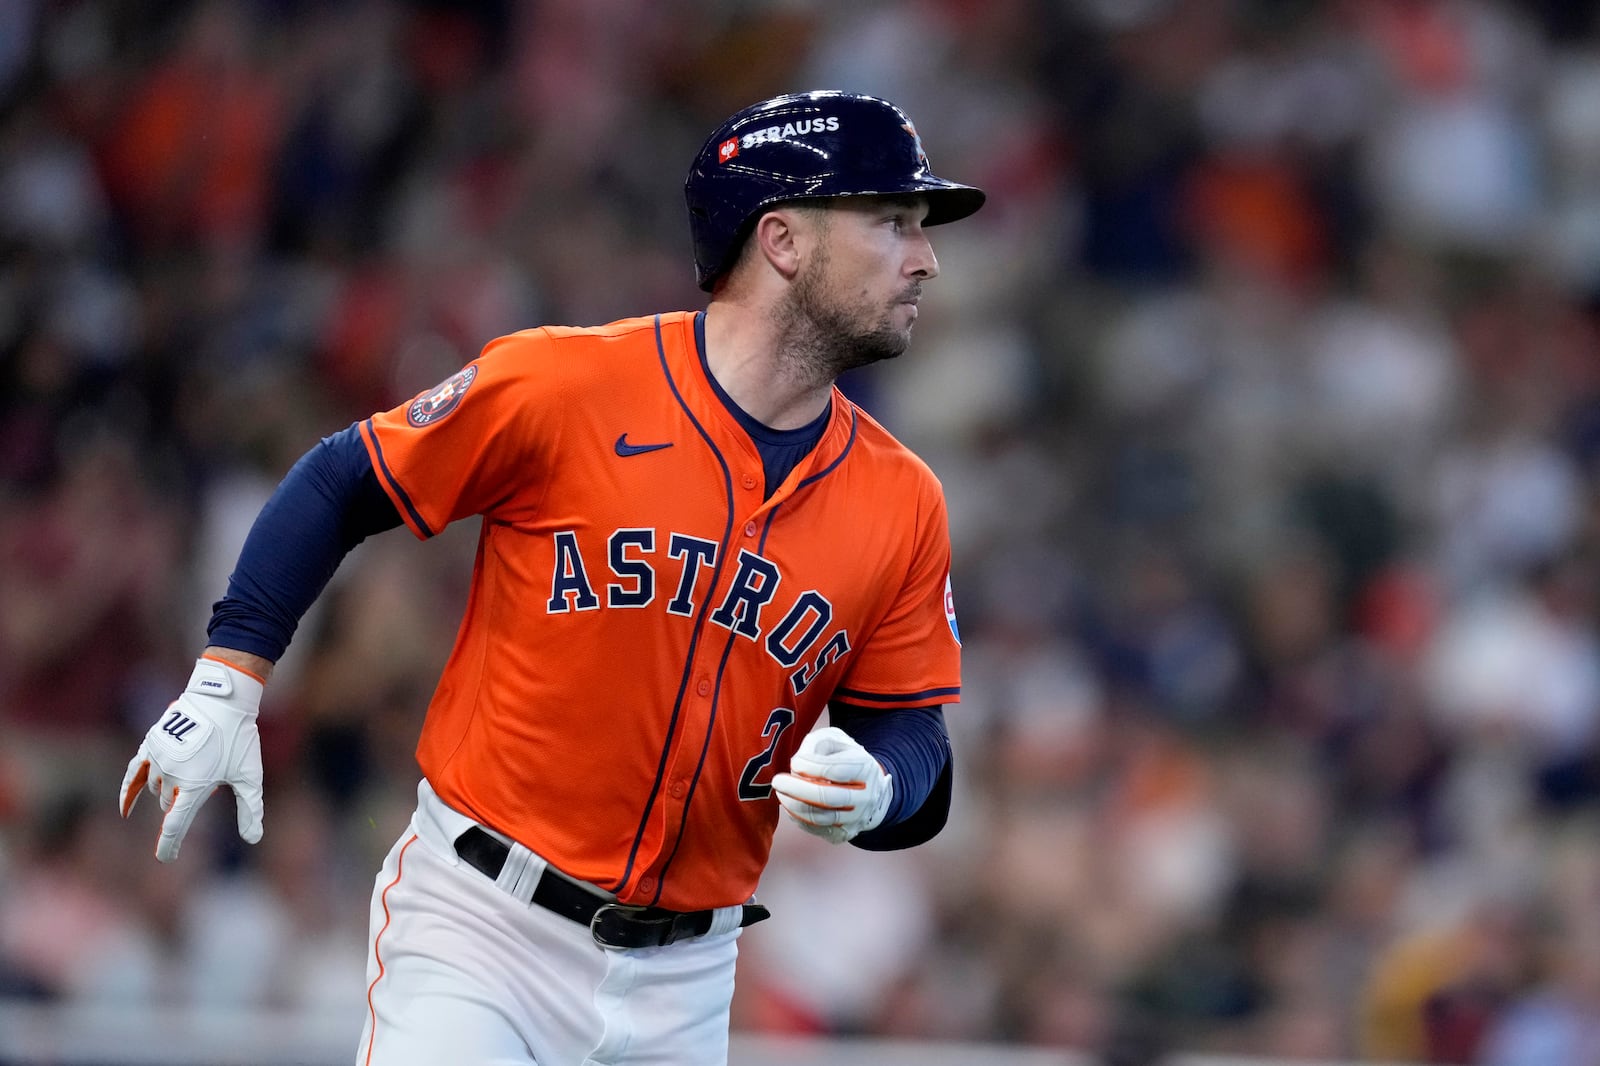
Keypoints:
pixel 620 926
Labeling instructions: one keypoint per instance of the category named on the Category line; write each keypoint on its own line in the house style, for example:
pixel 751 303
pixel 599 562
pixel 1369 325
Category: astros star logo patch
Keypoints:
pixel 442 399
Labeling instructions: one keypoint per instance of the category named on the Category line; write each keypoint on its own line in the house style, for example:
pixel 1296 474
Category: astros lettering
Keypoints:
pixel 629 554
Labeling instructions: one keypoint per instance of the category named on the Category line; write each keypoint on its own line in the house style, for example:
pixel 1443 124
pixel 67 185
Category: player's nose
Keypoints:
pixel 923 264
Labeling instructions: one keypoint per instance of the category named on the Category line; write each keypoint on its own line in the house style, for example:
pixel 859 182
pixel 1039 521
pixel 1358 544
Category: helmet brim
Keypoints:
pixel 950 202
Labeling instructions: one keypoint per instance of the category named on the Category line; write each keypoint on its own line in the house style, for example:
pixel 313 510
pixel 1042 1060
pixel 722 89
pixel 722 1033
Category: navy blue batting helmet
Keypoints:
pixel 805 146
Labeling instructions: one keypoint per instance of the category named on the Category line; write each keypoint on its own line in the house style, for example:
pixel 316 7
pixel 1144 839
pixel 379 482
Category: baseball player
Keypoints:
pixel 692 545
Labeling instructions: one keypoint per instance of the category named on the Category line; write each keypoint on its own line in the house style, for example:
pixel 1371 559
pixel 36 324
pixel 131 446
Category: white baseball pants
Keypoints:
pixel 460 970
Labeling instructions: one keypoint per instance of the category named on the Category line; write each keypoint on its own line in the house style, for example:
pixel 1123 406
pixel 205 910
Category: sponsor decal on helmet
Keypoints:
pixel 441 400
pixel 772 134
pixel 727 149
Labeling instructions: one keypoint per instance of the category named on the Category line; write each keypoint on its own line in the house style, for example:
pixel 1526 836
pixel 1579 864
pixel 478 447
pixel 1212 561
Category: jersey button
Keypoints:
pixel 704 687
pixel 678 789
pixel 647 884
pixel 749 529
pixel 749 482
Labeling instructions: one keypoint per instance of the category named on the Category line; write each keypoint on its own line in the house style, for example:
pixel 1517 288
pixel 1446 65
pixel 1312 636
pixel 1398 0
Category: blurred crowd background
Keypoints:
pixel 1265 391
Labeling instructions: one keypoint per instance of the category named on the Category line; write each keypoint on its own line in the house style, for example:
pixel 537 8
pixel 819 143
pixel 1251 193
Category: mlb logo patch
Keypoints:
pixel 727 149
pixel 950 609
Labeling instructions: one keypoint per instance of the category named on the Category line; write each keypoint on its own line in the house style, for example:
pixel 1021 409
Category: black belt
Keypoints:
pixel 613 925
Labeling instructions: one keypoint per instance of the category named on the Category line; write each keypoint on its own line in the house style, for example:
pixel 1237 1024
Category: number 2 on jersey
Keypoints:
pixel 778 723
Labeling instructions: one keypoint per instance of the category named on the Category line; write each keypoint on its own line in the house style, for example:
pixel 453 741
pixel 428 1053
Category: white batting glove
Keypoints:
pixel 834 788
pixel 206 738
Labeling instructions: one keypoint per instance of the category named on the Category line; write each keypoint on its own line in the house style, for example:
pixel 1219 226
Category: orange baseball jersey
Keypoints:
pixel 647 639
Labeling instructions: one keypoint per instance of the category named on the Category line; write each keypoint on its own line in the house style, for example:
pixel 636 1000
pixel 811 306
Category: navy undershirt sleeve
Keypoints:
pixel 329 502
pixel 914 747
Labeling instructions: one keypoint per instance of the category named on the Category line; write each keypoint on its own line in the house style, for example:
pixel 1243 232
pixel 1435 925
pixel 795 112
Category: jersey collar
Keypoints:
pixel 683 344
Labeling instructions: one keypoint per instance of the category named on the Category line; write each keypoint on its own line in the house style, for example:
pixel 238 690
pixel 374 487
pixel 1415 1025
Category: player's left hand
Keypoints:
pixel 206 739
pixel 834 789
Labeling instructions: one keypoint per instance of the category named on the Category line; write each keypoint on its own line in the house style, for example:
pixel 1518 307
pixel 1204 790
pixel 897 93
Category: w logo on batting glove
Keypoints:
pixel 178 725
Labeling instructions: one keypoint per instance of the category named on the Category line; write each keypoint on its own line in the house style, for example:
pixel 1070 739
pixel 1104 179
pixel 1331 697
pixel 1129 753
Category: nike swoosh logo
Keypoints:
pixel 624 448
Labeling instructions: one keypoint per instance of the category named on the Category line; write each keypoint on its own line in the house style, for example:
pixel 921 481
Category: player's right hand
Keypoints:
pixel 206 738
pixel 834 788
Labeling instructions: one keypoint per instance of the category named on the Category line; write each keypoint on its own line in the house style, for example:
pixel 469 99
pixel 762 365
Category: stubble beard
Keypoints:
pixel 821 338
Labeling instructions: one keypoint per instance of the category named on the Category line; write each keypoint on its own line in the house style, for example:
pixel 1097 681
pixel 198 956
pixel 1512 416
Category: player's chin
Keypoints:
pixel 868 348
pixel 899 339
pixel 887 343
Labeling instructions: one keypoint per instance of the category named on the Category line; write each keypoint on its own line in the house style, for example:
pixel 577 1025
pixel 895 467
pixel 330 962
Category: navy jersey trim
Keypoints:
pixel 388 477
pixel 868 698
pixel 825 471
pixel 818 476
pixel 694 639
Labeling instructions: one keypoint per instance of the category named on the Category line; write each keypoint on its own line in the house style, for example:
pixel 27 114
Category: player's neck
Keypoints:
pixel 744 354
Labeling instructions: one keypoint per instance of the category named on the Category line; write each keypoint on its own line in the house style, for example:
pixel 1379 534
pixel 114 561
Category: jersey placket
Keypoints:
pixel 707 671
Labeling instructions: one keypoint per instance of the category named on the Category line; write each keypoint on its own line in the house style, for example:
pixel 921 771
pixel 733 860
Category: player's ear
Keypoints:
pixel 780 239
